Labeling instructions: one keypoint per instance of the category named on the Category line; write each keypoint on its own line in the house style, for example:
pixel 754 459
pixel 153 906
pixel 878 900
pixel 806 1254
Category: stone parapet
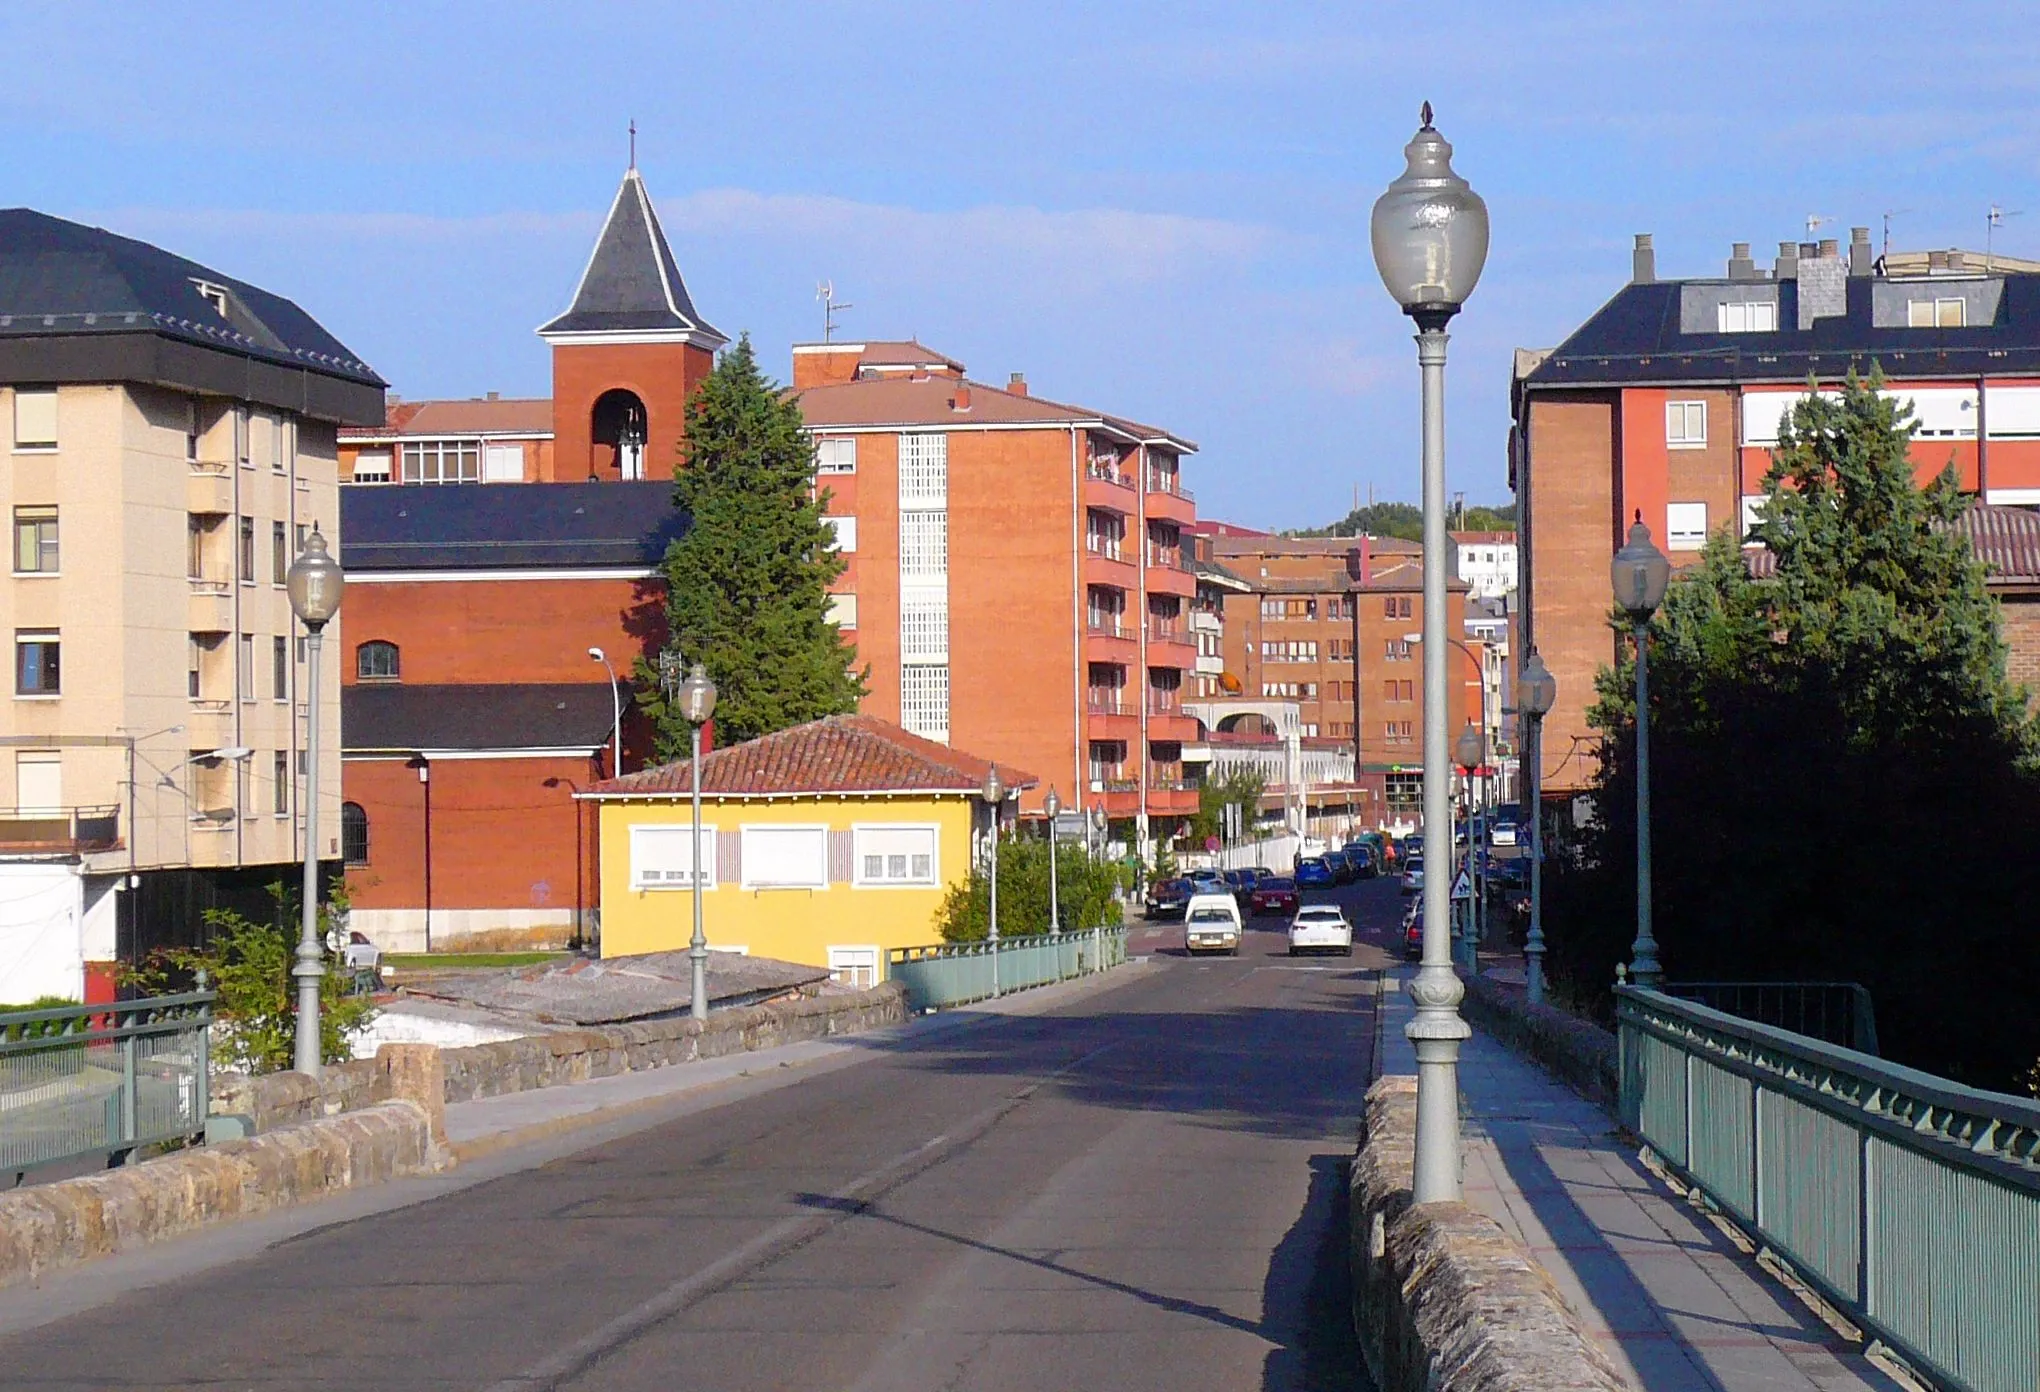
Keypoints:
pixel 1579 1053
pixel 50 1226
pixel 1444 1300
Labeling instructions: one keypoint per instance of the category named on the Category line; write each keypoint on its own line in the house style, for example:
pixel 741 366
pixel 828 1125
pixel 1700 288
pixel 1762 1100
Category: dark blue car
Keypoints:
pixel 1315 873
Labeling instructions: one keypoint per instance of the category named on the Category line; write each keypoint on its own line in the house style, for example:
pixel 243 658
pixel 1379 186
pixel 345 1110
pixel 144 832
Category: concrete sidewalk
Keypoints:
pixel 1677 1305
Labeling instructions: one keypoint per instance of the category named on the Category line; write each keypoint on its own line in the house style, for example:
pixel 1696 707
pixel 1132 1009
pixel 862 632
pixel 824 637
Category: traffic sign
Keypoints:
pixel 1462 888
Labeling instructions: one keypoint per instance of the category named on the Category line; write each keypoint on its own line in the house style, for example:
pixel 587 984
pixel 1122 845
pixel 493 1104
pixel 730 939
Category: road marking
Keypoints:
pixel 776 1241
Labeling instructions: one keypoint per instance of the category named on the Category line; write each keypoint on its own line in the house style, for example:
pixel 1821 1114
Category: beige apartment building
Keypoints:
pixel 171 440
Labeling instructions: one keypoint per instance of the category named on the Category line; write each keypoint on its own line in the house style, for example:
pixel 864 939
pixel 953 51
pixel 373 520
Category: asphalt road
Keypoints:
pixel 1142 1189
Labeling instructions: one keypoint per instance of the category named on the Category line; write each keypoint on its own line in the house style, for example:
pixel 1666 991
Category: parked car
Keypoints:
pixel 1504 834
pixel 1411 845
pixel 1168 898
pixel 1413 932
pixel 1361 855
pixel 1413 875
pixel 1342 868
pixel 1320 928
pixel 1274 894
pixel 1241 883
pixel 1207 882
pixel 1212 923
pixel 1314 873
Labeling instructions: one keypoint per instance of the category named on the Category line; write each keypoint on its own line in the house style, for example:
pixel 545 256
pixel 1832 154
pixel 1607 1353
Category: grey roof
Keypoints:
pixel 643 986
pixel 382 716
pixel 632 284
pixel 64 278
pixel 496 526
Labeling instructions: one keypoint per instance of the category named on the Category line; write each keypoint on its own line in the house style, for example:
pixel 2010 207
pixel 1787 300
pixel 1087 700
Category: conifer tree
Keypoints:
pixel 747 586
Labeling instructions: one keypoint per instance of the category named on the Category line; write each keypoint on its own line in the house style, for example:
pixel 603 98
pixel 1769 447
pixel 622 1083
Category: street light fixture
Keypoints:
pixel 994 793
pixel 1640 573
pixel 616 708
pixel 1536 693
pixel 1052 804
pixel 694 696
pixel 1430 239
pixel 1469 751
pixel 314 583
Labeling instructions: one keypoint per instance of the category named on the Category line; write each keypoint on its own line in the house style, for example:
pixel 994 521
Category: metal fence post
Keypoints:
pixel 128 1129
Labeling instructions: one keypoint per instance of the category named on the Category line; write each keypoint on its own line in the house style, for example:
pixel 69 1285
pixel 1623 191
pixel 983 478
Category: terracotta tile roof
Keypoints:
pixel 842 754
pixel 2006 540
pixel 512 416
pixel 904 401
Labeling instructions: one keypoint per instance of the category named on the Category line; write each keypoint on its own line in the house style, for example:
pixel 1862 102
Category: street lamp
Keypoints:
pixel 314 583
pixel 1640 573
pixel 994 793
pixel 1052 804
pixel 1469 751
pixel 695 698
pixel 616 707
pixel 1536 692
pixel 1430 238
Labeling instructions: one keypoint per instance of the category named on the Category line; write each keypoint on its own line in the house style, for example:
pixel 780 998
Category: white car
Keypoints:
pixel 1211 923
pixel 1320 928
pixel 1413 875
pixel 1504 834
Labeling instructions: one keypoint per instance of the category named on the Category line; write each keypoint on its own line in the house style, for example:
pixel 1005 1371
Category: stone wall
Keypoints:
pixel 1579 1053
pixel 1444 1300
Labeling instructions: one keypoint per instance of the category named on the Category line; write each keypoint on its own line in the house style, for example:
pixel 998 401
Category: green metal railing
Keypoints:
pixel 1835 1012
pixel 98 1080
pixel 1909 1202
pixel 949 974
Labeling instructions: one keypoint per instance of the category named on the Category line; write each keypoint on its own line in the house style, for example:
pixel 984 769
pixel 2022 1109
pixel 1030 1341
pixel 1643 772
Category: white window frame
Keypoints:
pixel 859 830
pixel 924 545
pixel 35 398
pixel 843 610
pixel 836 454
pixel 1931 319
pixel 372 466
pixel 502 463
pixel 933 702
pixel 1680 534
pixel 924 627
pixel 853 957
pixel 1752 513
pixel 758 832
pixel 1746 316
pixel 441 461
pixel 843 532
pixel 682 834
pixel 1679 418
pixel 924 469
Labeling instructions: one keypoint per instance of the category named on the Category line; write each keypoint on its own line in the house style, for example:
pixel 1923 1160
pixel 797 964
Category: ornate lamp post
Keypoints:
pixel 1052 804
pixel 1469 751
pixel 695 698
pixel 1536 691
pixel 1640 573
pixel 314 582
pixel 994 793
pixel 1430 238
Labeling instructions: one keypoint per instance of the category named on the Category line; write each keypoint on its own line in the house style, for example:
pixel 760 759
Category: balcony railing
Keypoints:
pixel 1164 703
pixel 1166 778
pixel 1118 783
pixel 1170 632
pixel 213 468
pixel 1171 484
pixel 1165 557
pixel 1106 473
pixel 73 829
pixel 210 584
pixel 1099 546
pixel 1105 703
pixel 1108 626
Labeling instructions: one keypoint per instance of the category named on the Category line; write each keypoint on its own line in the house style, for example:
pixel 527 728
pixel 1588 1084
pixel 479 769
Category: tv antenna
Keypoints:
pixel 1889 214
pixel 1991 223
pixel 826 293
pixel 1813 223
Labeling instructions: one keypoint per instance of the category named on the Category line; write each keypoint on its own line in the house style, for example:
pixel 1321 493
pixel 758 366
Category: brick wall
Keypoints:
pixel 2022 635
pixel 663 375
pixel 1570 534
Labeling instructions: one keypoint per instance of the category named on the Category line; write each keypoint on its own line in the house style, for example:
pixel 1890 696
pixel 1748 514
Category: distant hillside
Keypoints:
pixel 1406 520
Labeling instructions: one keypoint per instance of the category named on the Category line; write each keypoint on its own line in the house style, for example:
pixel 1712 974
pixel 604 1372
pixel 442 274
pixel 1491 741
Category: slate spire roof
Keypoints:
pixel 632 285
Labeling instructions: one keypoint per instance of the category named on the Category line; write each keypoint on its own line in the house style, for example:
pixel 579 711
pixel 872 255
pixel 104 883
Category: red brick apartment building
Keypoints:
pixel 1290 635
pixel 1667 401
pixel 1017 577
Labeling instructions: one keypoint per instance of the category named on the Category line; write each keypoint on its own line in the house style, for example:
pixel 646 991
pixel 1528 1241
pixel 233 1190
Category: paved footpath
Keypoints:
pixel 1678 1306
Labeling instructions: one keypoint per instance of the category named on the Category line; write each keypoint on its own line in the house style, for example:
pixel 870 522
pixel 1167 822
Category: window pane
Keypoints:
pixel 35 418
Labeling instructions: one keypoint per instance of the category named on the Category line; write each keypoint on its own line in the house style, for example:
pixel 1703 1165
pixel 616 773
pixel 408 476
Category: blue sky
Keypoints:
pixel 1156 209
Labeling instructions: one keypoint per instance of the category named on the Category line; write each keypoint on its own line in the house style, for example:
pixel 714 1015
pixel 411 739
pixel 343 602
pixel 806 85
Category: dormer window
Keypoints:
pixel 214 295
pixel 1935 314
pixel 1748 316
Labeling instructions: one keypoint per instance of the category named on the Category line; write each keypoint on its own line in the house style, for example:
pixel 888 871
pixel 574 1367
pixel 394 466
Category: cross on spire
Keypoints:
pixel 633 142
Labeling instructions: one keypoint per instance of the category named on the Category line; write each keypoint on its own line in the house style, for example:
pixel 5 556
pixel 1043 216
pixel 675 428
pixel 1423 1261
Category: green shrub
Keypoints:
pixel 1084 893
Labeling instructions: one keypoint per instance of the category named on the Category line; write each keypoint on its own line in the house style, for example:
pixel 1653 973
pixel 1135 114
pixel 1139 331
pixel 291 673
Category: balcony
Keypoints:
pixel 1110 564
pixel 1109 489
pixel 1109 638
pixel 1168 498
pixel 59 830
pixel 211 608
pixel 1163 635
pixel 1166 573
pixel 210 723
pixel 209 490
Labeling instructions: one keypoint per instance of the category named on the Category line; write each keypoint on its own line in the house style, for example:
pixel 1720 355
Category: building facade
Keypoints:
pixel 1667 402
pixel 1016 576
pixel 172 443
pixel 1487 562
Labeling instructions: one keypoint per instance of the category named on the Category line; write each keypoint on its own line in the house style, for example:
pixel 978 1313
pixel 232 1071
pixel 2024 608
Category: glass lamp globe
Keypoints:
pixel 1640 573
pixel 314 582
pixel 697 696
pixel 1429 230
pixel 994 790
pixel 1051 804
pixel 1469 749
pixel 1536 688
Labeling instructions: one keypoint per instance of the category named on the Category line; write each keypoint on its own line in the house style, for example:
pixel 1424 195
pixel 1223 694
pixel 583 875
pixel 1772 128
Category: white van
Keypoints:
pixel 1211 923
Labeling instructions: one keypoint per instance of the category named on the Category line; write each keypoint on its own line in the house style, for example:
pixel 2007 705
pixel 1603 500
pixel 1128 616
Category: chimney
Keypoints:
pixel 960 401
pixel 1823 282
pixel 1937 261
pixel 1016 383
pixel 1956 260
pixel 1830 249
pixel 1788 261
pixel 1643 261
pixel 1861 259
pixel 1740 267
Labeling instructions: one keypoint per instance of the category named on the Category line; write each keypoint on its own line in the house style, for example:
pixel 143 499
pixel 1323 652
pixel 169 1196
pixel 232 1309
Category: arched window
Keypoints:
pixel 617 428
pixel 376 661
pixel 353 834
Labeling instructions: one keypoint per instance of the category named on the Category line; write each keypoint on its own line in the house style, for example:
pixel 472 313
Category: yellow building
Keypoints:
pixel 828 844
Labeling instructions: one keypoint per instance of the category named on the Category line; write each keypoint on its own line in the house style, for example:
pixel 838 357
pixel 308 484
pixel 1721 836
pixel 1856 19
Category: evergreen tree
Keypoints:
pixel 747 586
pixel 1842 774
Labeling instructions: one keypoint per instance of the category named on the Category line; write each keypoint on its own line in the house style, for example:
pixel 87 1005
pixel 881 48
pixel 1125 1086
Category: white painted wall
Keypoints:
pixel 42 918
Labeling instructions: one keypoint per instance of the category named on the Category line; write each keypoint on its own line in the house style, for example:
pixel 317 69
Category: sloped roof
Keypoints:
pixel 393 716
pixel 907 402
pixel 632 284
pixel 64 278
pixel 2005 539
pixel 438 419
pixel 500 526
pixel 840 754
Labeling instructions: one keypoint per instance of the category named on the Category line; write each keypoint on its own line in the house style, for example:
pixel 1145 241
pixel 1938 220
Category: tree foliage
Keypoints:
pixel 747 587
pixel 1084 889
pixel 1842 776
pixel 1406 521
pixel 1241 788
